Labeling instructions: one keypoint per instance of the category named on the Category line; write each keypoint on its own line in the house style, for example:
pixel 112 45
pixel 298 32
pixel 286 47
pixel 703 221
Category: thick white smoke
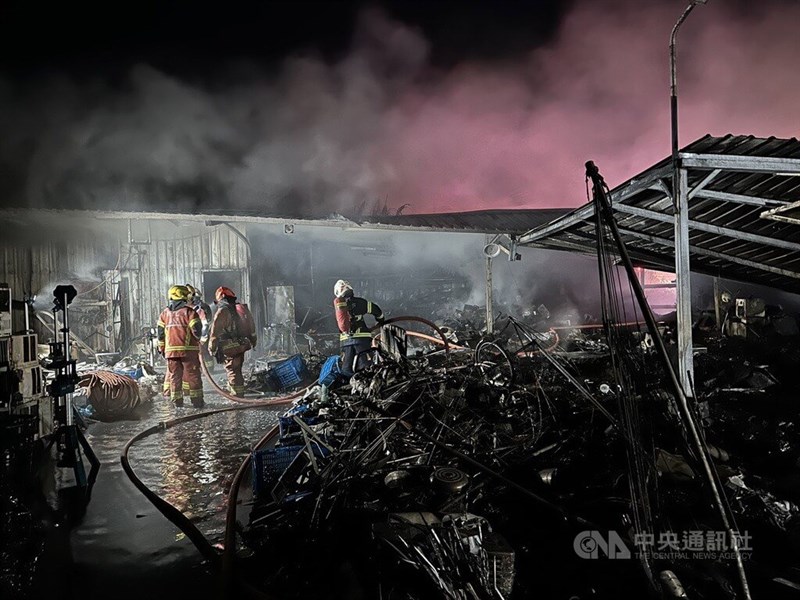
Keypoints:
pixel 383 125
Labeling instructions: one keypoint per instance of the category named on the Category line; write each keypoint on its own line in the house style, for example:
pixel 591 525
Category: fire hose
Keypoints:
pixel 434 340
pixel 249 401
pixel 175 516
pixel 168 510
pixel 229 546
pixel 430 324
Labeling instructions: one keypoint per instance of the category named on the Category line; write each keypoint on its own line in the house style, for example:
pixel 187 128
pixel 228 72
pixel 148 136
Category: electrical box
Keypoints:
pixel 6 323
pixel 23 350
pixel 31 385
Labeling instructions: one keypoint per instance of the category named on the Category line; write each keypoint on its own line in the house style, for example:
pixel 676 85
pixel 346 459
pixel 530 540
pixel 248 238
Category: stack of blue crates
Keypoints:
pixel 289 373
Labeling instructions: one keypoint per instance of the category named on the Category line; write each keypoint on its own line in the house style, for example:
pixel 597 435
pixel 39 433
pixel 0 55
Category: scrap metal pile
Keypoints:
pixel 405 470
pixel 480 474
pixel 531 464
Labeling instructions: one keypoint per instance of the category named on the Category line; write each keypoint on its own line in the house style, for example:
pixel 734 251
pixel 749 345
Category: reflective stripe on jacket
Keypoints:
pixel 350 311
pixel 179 330
pixel 232 323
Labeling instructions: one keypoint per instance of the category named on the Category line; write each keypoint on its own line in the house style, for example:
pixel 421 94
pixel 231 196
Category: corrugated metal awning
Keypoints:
pixel 738 185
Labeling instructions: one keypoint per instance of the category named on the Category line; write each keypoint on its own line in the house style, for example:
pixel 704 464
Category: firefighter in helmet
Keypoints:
pixel 179 331
pixel 232 334
pixel 204 312
pixel 354 335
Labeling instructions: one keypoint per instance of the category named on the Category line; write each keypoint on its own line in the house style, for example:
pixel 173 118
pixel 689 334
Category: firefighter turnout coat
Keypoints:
pixel 232 330
pixel 350 311
pixel 179 330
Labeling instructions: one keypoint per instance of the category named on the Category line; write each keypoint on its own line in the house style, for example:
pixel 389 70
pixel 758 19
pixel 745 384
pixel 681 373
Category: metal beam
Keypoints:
pixel 775 214
pixel 639 184
pixel 587 210
pixel 706 180
pixel 668 243
pixel 567 245
pixel 583 213
pixel 367 223
pixel 489 297
pixel 709 228
pixel 736 198
pixel 683 284
pixel 732 162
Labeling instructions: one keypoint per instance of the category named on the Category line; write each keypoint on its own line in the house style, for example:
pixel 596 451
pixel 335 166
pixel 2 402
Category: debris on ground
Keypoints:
pixel 470 474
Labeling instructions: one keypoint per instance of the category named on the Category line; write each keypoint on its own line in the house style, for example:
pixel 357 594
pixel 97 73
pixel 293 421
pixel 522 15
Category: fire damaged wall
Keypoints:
pixel 430 274
pixel 122 274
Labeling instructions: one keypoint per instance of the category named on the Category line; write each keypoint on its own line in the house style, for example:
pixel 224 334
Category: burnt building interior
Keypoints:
pixel 281 401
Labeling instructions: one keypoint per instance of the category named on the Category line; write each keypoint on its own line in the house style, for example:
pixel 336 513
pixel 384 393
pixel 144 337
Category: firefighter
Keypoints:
pixel 204 312
pixel 232 334
pixel 354 335
pixel 179 330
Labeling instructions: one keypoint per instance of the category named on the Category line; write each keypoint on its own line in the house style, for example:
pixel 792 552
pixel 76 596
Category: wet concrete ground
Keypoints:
pixel 123 547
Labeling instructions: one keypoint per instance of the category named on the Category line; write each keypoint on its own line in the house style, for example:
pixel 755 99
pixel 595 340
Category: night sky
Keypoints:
pixel 313 108
pixel 199 38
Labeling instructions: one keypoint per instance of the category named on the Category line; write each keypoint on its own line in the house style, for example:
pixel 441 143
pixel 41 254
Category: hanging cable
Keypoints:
pixel 697 449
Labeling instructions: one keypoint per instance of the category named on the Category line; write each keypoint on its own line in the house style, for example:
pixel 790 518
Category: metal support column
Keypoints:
pixel 489 297
pixel 683 284
pixel 717 305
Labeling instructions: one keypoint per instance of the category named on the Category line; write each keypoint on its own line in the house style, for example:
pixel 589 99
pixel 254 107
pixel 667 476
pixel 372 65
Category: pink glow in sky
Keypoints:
pixel 383 126
pixel 491 137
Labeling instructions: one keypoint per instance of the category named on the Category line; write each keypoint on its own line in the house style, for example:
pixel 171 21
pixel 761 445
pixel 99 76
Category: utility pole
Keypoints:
pixel 680 199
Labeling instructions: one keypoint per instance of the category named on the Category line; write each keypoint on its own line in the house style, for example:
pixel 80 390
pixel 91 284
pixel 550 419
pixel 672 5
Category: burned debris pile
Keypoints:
pixel 546 461
pixel 474 474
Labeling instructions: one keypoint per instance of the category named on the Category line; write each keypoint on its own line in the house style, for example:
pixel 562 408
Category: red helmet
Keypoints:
pixel 223 292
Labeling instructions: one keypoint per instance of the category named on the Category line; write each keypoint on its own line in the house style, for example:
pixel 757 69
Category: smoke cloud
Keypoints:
pixel 382 125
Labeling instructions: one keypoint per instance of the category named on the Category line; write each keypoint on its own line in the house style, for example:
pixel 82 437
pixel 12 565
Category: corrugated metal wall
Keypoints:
pixel 166 262
pixel 175 255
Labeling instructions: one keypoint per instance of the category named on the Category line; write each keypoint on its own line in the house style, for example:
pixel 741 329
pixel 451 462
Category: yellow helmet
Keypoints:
pixel 191 290
pixel 178 292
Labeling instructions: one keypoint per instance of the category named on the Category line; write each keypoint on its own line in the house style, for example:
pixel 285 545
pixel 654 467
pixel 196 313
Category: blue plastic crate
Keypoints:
pixel 288 427
pixel 290 372
pixel 330 371
pixel 269 465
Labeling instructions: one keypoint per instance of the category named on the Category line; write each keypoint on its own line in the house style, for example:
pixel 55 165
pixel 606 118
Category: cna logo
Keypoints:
pixel 594 544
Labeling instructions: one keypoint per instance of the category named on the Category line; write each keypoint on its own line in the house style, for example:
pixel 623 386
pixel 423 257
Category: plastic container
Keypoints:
pixel 289 373
pixel 269 464
pixel 133 372
pixel 288 427
pixel 330 371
